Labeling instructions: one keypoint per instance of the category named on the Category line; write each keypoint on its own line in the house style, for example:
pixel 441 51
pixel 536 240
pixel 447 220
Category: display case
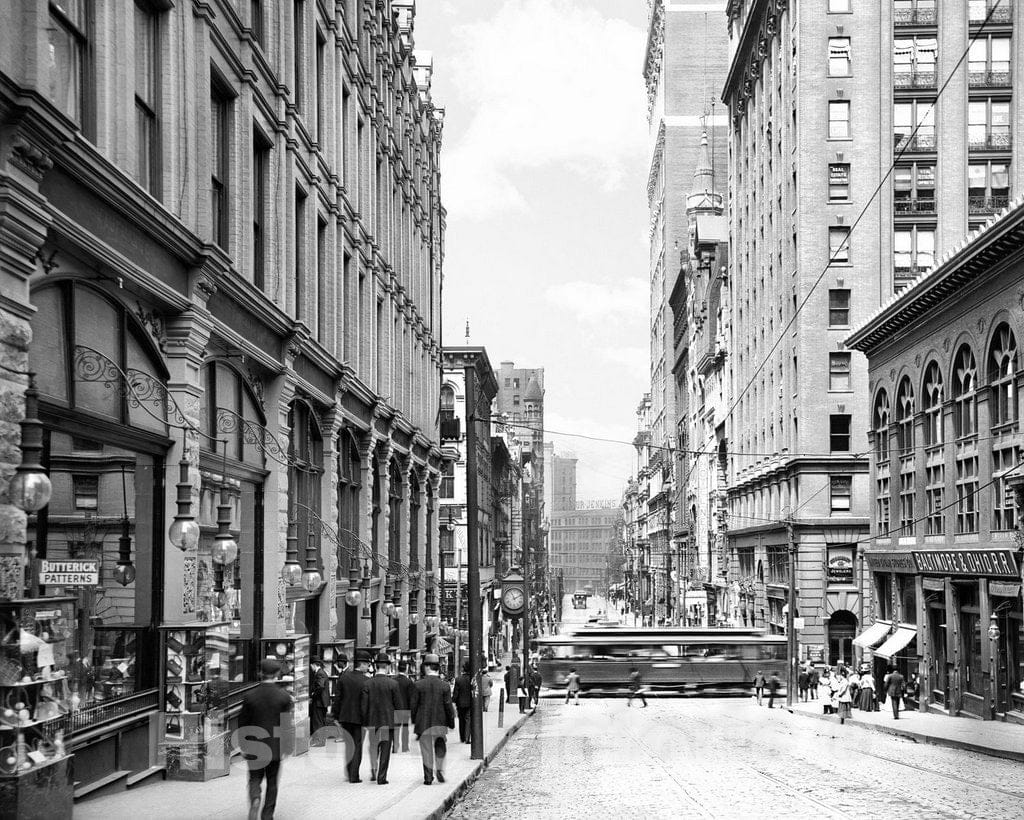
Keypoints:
pixel 196 740
pixel 37 656
pixel 293 655
pixel 330 653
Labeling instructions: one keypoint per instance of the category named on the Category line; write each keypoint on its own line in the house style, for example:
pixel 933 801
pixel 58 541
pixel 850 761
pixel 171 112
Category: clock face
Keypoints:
pixel 513 598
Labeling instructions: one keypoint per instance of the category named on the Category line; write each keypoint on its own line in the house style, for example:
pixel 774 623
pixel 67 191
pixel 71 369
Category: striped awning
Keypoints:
pixel 897 641
pixel 873 635
pixel 443 646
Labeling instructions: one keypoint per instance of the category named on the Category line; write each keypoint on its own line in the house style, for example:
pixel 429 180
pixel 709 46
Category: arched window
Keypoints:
pixel 965 385
pixel 905 417
pixel 350 482
pixel 932 401
pixel 449 424
pixel 880 423
pixel 305 451
pixel 1002 366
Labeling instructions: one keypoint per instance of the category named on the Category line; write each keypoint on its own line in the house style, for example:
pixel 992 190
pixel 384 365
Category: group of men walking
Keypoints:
pixel 377 709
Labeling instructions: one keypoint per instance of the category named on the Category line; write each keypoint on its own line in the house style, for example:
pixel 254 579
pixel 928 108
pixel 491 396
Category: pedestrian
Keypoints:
pixel 572 689
pixel 803 681
pixel 759 683
pixel 535 681
pixel 854 680
pixel 844 696
pixel 510 685
pixel 433 714
pixel 403 714
pixel 348 711
pixel 636 687
pixel 825 691
pixel 380 700
pixel 487 685
pixel 319 702
pixel 866 693
pixel 523 694
pixel 265 735
pixel 813 681
pixel 463 698
pixel 895 687
pixel 833 691
pixel 773 688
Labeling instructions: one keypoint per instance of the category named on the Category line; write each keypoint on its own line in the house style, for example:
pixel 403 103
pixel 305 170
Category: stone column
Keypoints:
pixel 333 423
pixel 367 446
pixel 383 532
pixel 402 584
pixel 420 548
pixel 280 393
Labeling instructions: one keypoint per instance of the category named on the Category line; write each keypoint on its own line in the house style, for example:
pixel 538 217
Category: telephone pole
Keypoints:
pixel 790 616
pixel 473 565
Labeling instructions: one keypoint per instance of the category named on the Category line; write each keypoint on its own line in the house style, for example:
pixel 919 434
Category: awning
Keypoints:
pixel 873 635
pixel 443 646
pixel 902 636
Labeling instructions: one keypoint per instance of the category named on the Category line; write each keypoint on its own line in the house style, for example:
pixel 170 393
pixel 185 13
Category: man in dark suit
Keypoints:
pixel 348 711
pixel 433 714
pixel 402 715
pixel 895 687
pixel 380 701
pixel 265 735
pixel 319 702
pixel 463 697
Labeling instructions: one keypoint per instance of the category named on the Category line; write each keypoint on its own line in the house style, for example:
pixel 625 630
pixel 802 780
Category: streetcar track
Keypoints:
pixel 974 783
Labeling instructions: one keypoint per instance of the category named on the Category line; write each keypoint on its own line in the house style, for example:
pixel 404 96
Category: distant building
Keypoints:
pixel 584 546
pixel 563 483
pixel 946 489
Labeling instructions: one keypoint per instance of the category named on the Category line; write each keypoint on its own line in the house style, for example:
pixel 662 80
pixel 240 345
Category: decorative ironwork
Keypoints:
pixel 139 389
pixel 260 437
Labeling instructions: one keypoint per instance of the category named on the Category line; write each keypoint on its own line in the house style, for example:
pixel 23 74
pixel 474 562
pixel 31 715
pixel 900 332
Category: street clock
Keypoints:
pixel 513 594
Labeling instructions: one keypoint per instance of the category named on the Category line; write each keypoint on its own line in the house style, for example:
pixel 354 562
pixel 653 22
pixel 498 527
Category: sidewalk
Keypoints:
pixel 314 784
pixel 983 736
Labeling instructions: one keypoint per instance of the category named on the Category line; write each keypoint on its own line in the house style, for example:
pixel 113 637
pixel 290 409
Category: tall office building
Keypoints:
pixel 583 547
pixel 563 483
pixel 811 140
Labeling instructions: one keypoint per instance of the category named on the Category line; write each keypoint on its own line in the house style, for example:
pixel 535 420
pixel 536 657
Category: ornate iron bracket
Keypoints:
pixel 260 437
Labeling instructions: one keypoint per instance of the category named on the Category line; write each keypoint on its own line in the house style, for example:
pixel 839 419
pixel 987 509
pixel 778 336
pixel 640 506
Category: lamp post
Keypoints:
pixel 30 488
pixel 993 655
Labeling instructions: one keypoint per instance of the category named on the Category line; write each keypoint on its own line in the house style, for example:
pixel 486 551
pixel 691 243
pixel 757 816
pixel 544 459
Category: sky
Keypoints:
pixel 543 175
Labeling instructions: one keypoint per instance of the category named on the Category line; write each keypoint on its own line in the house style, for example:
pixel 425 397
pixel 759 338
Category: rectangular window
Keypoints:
pixel 839 372
pixel 260 170
pixel 300 255
pixel 220 150
pixel 1004 503
pixel 321 112
pixel 988 187
pixel 838 244
pixel 840 493
pixel 967 494
pixel 914 189
pixel 298 51
pixel 914 62
pixel 839 432
pixel 988 124
pixel 907 492
pixel 838 119
pixel 838 56
pixel 68 50
pixel 882 506
pixel 935 478
pixel 322 268
pixel 147 137
pixel 256 21
pixel 839 182
pixel 913 253
pixel 838 6
pixel 914 126
pixel 838 307
pixel 86 490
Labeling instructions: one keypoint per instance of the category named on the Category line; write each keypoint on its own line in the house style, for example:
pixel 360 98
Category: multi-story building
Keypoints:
pixel 583 547
pixel 563 483
pixel 947 485
pixel 221 256
pixel 684 65
pixel 816 249
pixel 453 514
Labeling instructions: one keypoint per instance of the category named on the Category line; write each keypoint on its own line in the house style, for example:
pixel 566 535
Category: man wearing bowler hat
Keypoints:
pixel 381 699
pixel 433 714
pixel 348 711
pixel 265 736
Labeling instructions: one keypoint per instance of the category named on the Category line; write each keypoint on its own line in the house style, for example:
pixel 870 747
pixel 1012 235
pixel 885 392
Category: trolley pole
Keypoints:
pixel 791 650
pixel 473 568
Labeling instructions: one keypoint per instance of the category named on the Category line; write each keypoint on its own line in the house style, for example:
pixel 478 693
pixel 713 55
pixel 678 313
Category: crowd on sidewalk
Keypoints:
pixel 371 708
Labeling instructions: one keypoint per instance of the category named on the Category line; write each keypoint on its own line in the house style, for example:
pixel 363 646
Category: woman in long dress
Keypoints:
pixel 866 698
pixel 844 699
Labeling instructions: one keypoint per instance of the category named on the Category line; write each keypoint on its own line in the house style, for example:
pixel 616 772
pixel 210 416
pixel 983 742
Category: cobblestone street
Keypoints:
pixel 729 758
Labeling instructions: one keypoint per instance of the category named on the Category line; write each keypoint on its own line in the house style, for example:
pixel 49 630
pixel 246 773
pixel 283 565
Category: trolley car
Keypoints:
pixel 710 661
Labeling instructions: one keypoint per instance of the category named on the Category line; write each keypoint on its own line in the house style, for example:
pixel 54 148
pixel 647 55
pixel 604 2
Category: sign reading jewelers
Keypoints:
pixel 996 563
pixel 70 573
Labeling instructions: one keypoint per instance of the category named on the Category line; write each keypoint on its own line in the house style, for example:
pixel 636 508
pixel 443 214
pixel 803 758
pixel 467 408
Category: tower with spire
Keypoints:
pixel 702 198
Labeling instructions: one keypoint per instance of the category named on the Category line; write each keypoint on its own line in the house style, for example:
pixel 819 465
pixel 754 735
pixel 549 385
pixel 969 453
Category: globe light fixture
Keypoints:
pixel 30 488
pixel 291 572
pixel 184 531
pixel 354 597
pixel 311 578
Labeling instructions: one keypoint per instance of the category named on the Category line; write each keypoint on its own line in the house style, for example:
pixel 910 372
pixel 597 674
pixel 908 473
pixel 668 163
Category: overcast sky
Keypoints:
pixel 544 176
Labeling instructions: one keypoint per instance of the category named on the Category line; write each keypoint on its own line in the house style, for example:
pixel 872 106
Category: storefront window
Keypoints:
pixel 908 598
pixel 971 639
pixel 107 489
pixel 883 592
pixel 395 489
pixel 305 451
pixel 349 486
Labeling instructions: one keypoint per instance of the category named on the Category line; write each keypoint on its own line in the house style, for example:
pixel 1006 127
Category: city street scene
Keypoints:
pixel 520 408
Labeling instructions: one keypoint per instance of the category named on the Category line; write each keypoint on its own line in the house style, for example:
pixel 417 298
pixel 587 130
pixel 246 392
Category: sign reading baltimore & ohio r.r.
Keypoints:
pixel 997 563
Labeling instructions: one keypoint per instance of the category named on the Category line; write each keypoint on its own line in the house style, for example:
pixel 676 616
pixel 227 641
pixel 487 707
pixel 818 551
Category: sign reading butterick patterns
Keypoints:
pixel 70 573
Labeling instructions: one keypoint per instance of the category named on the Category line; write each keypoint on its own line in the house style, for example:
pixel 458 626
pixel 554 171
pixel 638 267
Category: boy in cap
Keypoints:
pixel 265 735
pixel 380 700
pixel 433 714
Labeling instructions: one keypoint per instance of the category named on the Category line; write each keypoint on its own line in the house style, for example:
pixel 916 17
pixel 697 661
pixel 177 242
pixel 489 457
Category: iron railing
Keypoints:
pixel 914 79
pixel 987 204
pixel 921 141
pixel 990 140
pixel 914 205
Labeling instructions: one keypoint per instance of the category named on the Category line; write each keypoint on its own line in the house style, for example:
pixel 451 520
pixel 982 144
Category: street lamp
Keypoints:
pixel 184 531
pixel 354 597
pixel 291 572
pixel 30 488
pixel 993 636
pixel 311 578
pixel 225 548
pixel 124 572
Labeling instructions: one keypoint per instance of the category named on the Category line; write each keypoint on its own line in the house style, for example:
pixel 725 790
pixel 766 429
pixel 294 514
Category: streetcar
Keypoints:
pixel 698 661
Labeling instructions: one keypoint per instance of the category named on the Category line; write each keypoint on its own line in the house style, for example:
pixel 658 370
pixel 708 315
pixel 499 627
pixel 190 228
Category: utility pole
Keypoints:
pixel 458 605
pixel 790 615
pixel 527 586
pixel 473 566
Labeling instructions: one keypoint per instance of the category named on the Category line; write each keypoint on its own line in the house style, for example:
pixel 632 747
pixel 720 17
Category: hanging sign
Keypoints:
pixel 70 573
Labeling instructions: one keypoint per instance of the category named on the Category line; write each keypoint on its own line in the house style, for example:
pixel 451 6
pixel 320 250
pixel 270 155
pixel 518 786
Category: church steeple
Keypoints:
pixel 702 198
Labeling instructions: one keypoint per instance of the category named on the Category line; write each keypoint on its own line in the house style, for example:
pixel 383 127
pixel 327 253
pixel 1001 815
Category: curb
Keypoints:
pixel 920 737
pixel 478 770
